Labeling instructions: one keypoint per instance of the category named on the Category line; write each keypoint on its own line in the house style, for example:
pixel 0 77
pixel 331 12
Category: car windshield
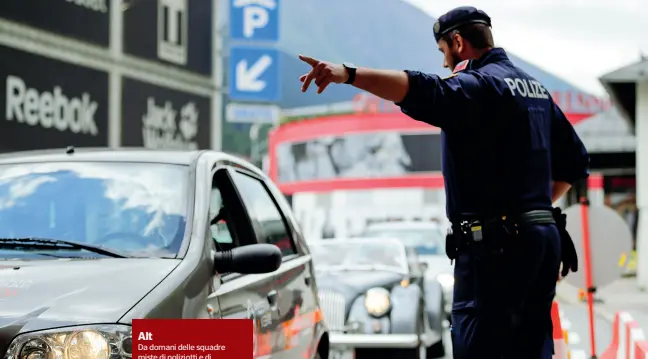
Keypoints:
pixel 424 240
pixel 137 209
pixel 359 255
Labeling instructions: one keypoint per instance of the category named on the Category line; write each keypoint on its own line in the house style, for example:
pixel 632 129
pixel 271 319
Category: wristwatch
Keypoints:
pixel 351 70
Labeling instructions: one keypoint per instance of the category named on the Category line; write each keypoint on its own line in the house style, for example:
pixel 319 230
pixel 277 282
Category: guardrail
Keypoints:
pixel 628 339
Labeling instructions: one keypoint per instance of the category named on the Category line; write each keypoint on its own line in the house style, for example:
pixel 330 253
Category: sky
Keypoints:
pixel 577 40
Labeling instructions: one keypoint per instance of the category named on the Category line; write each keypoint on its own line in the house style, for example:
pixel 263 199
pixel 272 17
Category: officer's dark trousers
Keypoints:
pixel 502 302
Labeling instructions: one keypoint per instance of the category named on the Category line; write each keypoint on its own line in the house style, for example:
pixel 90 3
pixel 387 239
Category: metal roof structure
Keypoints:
pixel 607 132
pixel 621 84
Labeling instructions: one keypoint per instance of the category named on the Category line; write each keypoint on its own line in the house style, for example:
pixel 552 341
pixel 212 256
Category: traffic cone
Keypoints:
pixel 560 345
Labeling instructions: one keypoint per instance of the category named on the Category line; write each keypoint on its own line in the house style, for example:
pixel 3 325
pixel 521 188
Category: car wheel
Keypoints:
pixel 418 352
pixel 436 350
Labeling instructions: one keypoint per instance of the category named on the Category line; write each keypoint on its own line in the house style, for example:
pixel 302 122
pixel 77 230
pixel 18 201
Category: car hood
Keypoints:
pixel 351 284
pixel 36 295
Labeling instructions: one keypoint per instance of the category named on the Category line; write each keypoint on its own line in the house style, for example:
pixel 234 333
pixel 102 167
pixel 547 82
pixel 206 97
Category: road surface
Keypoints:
pixel 641 318
pixel 446 342
pixel 575 320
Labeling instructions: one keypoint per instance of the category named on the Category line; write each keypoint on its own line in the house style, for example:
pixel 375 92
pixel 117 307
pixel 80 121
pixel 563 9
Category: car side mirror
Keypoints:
pixel 251 259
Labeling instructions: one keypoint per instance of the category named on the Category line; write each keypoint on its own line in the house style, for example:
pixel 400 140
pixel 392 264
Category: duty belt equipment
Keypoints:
pixel 471 229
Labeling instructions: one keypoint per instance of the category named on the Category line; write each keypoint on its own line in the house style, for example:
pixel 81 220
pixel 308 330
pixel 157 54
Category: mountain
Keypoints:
pixel 374 33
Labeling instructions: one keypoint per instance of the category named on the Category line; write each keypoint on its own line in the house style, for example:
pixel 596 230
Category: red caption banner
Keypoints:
pixel 192 338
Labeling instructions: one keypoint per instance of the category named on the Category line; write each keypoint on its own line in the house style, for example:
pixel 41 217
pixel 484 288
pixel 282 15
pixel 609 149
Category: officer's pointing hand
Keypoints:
pixel 323 73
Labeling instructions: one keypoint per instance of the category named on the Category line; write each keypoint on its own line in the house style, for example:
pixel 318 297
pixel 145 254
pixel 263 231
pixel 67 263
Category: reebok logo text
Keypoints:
pixel 49 109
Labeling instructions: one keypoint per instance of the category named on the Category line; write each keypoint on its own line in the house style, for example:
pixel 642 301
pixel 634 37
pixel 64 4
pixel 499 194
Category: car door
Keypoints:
pixel 239 296
pixel 296 300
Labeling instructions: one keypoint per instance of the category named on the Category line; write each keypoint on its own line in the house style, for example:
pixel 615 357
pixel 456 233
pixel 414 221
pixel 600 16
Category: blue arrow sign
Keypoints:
pixel 254 74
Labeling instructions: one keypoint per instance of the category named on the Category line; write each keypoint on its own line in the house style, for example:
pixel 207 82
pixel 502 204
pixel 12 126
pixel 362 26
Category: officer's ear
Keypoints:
pixel 458 43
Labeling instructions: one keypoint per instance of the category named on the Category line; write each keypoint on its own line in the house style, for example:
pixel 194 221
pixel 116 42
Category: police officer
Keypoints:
pixel 508 154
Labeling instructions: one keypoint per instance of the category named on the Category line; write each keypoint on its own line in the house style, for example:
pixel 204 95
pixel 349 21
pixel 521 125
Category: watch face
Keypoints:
pixel 349 65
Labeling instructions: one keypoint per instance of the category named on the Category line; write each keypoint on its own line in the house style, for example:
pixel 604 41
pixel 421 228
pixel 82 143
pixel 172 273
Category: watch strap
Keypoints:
pixel 351 70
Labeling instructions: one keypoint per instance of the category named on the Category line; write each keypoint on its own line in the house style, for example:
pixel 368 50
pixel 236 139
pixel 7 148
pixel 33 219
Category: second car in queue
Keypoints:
pixel 376 301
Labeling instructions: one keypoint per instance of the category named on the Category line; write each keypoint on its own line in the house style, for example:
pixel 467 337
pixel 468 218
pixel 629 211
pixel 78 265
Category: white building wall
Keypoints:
pixel 642 182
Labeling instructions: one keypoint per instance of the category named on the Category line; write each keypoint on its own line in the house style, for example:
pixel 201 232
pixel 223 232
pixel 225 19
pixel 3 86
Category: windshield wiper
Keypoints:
pixel 46 243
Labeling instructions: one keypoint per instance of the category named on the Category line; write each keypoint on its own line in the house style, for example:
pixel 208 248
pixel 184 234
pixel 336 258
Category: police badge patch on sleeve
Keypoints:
pixel 461 66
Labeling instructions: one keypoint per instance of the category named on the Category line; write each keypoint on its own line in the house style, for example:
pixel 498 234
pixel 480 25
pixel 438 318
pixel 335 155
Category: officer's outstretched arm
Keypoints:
pixel 390 85
pixel 454 101
pixel 569 158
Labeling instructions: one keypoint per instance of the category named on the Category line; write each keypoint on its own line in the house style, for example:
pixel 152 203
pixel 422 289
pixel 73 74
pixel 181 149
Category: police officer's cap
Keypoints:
pixel 458 17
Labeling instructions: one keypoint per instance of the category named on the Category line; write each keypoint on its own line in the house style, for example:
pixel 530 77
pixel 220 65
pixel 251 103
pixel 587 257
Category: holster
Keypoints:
pixel 452 245
pixel 486 236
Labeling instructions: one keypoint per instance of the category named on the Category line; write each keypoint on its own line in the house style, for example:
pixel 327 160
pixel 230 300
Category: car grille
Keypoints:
pixel 334 308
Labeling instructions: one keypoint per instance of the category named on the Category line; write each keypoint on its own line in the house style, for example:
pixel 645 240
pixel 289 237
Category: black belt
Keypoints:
pixel 472 228
pixel 539 216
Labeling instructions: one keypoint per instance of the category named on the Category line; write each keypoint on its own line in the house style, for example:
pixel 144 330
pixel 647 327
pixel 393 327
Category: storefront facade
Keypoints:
pixel 118 77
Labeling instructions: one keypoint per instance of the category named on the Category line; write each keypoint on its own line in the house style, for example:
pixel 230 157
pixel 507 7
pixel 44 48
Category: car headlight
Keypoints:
pixel 446 280
pixel 377 302
pixel 86 342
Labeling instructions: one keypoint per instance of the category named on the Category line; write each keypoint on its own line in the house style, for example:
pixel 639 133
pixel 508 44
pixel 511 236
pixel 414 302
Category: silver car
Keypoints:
pixel 428 239
pixel 91 239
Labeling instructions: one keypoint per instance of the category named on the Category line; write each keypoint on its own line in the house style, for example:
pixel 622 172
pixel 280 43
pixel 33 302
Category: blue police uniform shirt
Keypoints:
pixel 503 137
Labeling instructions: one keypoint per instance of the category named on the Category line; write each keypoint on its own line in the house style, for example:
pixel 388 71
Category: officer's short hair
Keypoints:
pixel 478 35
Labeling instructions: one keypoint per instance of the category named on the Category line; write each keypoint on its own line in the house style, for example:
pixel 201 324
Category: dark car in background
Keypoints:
pixel 92 239
pixel 428 240
pixel 376 300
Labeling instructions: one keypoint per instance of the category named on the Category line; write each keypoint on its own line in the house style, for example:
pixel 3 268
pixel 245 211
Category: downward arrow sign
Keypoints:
pixel 247 79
